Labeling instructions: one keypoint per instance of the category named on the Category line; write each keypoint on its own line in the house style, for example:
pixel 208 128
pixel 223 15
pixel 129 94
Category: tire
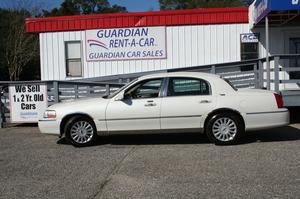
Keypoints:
pixel 225 129
pixel 80 131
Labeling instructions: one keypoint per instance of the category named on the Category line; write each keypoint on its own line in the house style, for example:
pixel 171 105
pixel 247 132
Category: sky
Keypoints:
pixel 131 5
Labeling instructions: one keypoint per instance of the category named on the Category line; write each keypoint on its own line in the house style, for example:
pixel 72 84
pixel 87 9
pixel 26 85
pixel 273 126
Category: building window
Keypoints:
pixel 249 49
pixel 73 59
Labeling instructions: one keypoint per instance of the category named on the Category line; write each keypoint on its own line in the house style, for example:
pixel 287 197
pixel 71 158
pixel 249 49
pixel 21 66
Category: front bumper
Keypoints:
pixel 49 126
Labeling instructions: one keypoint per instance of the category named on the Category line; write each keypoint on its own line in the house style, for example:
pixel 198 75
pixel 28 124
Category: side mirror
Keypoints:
pixel 123 96
pixel 127 96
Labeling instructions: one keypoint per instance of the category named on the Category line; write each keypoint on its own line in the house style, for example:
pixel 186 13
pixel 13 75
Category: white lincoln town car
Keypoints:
pixel 168 102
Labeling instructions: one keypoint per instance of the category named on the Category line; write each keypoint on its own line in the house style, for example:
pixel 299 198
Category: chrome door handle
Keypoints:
pixel 150 103
pixel 205 101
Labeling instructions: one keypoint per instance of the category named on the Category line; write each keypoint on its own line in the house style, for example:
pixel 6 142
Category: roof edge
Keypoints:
pixel 149 13
pixel 118 20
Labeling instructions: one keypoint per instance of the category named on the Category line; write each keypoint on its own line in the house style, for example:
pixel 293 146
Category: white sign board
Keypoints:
pixel 27 102
pixel 250 38
pixel 126 44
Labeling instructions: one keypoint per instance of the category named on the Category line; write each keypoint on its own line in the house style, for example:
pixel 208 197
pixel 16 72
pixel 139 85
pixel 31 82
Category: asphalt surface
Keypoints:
pixel 265 165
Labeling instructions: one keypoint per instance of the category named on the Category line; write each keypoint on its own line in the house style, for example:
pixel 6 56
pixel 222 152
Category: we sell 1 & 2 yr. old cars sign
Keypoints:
pixel 27 102
pixel 126 44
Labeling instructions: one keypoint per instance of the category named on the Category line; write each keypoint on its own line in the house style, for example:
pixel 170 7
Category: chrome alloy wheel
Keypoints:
pixel 224 129
pixel 82 132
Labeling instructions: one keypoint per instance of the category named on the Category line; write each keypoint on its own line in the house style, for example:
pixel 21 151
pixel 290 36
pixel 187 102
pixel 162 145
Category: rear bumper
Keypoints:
pixel 49 126
pixel 266 120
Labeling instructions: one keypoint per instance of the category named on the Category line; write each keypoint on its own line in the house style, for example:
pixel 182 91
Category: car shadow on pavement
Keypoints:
pixel 282 134
pixel 294 115
pixel 149 139
pixel 12 125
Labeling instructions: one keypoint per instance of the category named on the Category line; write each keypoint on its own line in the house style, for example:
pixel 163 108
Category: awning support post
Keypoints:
pixel 276 74
pixel 267 54
pixel 1 110
pixel 261 74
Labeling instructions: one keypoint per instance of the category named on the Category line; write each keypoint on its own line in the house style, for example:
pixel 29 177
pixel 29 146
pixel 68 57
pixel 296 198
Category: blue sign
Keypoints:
pixel 249 38
pixel 263 7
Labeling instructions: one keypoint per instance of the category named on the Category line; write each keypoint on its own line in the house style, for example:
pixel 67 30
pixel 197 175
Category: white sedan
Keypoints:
pixel 169 102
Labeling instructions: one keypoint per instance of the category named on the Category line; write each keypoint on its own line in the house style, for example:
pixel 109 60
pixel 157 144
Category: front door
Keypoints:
pixel 187 100
pixel 140 110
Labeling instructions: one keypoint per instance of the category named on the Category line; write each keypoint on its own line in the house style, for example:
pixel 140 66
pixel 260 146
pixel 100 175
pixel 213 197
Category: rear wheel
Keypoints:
pixel 224 129
pixel 80 131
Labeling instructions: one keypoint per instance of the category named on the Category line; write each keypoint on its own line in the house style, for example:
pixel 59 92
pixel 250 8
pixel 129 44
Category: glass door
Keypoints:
pixel 294 48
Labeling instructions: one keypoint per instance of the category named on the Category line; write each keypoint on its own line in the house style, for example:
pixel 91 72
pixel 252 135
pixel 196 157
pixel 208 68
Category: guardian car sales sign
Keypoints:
pixel 27 102
pixel 126 44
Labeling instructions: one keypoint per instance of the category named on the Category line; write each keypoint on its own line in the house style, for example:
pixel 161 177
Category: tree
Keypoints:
pixel 19 51
pixel 247 2
pixel 76 7
pixel 19 47
pixel 190 4
pixel 4 21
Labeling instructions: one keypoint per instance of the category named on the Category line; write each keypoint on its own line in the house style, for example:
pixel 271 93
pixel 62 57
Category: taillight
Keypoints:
pixel 278 100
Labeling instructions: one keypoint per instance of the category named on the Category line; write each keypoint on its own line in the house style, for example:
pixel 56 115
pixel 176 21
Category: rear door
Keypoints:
pixel 187 100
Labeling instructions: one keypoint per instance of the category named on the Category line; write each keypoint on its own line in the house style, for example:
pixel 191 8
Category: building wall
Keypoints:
pixel 186 46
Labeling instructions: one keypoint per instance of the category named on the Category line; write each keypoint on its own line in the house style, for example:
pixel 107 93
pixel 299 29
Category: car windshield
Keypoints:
pixel 230 84
pixel 119 90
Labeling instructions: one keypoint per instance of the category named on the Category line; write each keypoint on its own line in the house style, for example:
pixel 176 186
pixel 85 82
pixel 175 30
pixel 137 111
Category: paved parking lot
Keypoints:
pixel 265 165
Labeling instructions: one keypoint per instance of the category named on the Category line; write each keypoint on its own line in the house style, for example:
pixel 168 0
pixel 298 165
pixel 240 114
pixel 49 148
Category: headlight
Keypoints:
pixel 50 114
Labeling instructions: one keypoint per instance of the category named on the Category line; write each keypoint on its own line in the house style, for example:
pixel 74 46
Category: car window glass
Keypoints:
pixel 187 86
pixel 146 89
pixel 230 84
pixel 120 89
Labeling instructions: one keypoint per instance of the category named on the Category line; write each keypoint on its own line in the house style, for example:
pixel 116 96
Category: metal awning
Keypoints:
pixel 279 12
pixel 281 18
pixel 273 13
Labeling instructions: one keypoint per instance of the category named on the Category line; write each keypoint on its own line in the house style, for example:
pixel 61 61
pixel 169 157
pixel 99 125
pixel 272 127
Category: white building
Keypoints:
pixel 88 46
pixel 186 38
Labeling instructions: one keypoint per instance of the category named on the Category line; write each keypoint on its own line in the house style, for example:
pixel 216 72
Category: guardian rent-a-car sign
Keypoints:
pixel 126 43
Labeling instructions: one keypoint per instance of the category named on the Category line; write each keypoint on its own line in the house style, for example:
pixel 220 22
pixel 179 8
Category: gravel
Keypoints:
pixel 265 165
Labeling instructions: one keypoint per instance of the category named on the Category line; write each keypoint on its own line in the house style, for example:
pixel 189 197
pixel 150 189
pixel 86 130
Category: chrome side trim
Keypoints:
pixel 256 113
pixel 182 116
pixel 148 118
pixel 47 120
pixel 156 131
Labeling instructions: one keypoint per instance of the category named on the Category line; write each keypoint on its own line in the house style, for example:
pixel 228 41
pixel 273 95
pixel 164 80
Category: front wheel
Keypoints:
pixel 80 131
pixel 224 129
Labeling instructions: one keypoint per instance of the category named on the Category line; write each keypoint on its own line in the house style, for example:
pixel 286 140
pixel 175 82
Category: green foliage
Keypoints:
pixel 75 7
pixel 190 4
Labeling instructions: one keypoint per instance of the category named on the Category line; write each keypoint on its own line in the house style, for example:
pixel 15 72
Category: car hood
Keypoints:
pixel 79 103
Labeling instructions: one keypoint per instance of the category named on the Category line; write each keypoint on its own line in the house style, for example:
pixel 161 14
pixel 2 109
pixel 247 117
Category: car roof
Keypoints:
pixel 180 74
